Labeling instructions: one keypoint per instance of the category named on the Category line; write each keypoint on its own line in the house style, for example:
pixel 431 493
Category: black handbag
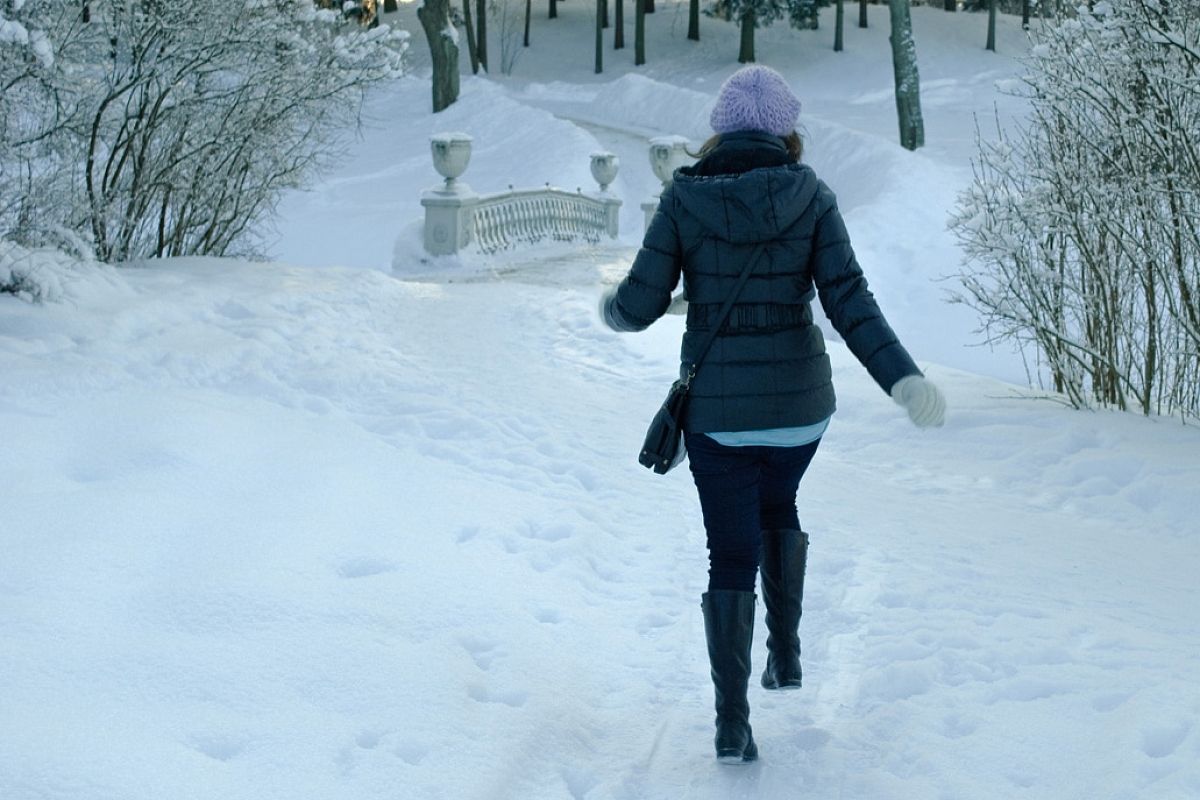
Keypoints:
pixel 663 448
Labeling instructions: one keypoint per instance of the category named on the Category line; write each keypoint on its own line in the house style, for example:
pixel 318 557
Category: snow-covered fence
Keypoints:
pixel 456 217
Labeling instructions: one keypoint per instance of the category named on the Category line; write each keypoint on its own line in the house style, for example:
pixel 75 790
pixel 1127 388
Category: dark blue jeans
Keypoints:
pixel 744 491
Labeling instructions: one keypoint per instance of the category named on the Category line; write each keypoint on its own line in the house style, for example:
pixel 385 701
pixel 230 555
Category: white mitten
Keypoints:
pixel 605 309
pixel 922 400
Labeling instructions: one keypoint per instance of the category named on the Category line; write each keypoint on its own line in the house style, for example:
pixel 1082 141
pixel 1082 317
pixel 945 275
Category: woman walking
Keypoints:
pixel 762 396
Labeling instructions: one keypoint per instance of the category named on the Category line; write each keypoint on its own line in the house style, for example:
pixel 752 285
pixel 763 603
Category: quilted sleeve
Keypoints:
pixel 644 294
pixel 848 301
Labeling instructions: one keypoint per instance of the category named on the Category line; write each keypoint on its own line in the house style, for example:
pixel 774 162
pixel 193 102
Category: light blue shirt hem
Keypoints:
pixel 772 437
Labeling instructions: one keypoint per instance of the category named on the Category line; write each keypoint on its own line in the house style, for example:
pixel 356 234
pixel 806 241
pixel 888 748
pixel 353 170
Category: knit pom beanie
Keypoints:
pixel 755 99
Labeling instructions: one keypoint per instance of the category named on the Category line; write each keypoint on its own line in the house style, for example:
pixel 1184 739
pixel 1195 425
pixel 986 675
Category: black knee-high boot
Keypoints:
pixel 729 629
pixel 784 554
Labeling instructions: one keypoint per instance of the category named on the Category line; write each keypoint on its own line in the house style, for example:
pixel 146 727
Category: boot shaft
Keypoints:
pixel 783 564
pixel 729 631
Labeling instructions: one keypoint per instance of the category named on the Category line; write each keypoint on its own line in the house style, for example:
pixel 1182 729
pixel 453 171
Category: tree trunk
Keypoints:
pixel 746 52
pixel 649 6
pixel 469 24
pixel 950 5
pixel 862 13
pixel 694 20
pixel 908 82
pixel 838 24
pixel 389 6
pixel 619 21
pixel 553 9
pixel 599 36
pixel 435 19
pixel 86 14
pixel 481 33
pixel 991 37
pixel 604 11
pixel 639 33
pixel 528 17
pixel 1025 9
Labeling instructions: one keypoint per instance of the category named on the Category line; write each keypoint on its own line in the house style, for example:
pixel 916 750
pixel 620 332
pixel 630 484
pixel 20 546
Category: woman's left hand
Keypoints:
pixel 924 402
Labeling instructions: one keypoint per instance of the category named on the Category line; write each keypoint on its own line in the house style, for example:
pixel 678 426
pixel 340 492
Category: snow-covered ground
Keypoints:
pixel 362 526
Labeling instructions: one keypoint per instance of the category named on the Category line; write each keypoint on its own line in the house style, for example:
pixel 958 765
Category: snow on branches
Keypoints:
pixel 1082 228
pixel 153 128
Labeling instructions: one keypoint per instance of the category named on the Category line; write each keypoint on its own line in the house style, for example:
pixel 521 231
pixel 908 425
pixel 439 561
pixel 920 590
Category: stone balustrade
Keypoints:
pixel 667 154
pixel 457 218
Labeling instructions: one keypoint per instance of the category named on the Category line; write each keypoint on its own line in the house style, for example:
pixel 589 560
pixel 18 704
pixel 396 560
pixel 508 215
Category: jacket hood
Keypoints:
pixel 752 206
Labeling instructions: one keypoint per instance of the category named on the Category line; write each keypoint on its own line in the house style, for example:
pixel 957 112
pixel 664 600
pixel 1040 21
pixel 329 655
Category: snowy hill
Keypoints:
pixel 327 531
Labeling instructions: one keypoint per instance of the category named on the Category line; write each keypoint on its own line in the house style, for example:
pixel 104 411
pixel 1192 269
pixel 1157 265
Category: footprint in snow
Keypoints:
pixel 481 650
pixel 554 532
pixel 955 726
pixel 513 698
pixel 579 781
pixel 811 738
pixel 1163 741
pixel 651 625
pixel 1027 690
pixel 1110 702
pixel 897 682
pixel 365 567
pixel 218 746
pixel 231 309
pixel 411 753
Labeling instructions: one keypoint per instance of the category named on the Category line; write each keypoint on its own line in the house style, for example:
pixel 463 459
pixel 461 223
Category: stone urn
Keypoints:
pixel 451 154
pixel 604 169
pixel 667 154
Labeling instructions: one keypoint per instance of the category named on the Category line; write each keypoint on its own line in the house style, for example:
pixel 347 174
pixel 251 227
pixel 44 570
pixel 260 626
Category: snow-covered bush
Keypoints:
pixel 156 128
pixel 1082 228
pixel 40 275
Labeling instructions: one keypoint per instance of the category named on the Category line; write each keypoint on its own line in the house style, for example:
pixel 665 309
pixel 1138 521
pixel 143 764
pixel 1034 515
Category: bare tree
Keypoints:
pixel 507 16
pixel 907 79
pixel 481 48
pixel 1082 227
pixel 599 36
pixel 469 25
pixel 159 129
pixel 991 27
pixel 748 22
pixel 838 26
pixel 639 32
pixel 443 50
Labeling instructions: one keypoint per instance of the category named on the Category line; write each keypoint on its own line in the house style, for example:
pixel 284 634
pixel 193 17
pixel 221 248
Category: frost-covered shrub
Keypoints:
pixel 1082 228
pixel 37 275
pixel 156 128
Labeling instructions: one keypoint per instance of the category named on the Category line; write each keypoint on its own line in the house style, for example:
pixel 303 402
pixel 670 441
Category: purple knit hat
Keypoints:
pixel 755 99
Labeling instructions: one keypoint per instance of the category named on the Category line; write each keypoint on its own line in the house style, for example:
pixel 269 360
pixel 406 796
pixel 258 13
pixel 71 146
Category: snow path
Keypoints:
pixel 275 532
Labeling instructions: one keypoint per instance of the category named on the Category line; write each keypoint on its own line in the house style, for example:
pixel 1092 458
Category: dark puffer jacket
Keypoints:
pixel 767 367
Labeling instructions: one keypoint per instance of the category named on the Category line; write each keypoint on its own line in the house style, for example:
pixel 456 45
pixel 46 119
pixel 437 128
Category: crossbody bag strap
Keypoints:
pixel 722 316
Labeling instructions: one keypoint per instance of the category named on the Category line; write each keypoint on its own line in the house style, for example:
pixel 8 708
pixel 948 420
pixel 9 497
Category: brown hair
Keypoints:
pixel 793 142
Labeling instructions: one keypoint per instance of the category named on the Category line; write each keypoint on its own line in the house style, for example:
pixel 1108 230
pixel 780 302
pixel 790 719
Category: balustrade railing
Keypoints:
pixel 456 218
pixel 534 215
